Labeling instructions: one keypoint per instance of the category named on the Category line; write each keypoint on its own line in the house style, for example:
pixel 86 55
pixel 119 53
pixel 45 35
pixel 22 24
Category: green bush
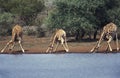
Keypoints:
pixel 87 15
pixel 40 32
pixel 31 32
pixel 6 20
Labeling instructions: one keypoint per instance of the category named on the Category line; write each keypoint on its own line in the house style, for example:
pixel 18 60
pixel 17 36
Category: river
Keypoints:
pixel 94 65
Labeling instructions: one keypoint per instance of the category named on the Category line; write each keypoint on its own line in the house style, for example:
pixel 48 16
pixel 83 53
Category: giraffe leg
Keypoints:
pixel 21 45
pixel 62 42
pixel 56 47
pixel 117 42
pixel 110 39
pixel 50 48
pixel 12 46
pixel 65 48
pixel 47 50
pixel 66 45
pixel 95 47
pixel 6 46
pixel 107 48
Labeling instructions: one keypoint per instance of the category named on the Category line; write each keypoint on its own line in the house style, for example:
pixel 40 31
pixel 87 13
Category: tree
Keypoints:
pixel 6 19
pixel 26 10
pixel 84 16
pixel 18 11
pixel 74 15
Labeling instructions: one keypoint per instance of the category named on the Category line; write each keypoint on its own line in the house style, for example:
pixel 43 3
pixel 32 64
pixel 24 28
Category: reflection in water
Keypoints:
pixel 60 66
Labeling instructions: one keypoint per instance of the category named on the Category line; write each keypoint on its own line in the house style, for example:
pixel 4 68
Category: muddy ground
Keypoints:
pixel 33 45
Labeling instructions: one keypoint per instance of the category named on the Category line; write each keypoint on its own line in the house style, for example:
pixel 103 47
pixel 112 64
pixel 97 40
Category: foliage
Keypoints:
pixel 74 14
pixel 87 15
pixel 23 12
pixel 27 10
pixel 5 20
pixel 31 32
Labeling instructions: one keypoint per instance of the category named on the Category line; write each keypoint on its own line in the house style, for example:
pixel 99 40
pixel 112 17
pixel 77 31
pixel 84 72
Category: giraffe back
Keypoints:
pixel 60 34
pixel 16 32
pixel 111 27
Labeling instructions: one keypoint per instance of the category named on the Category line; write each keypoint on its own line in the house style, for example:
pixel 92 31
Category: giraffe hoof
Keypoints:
pixel 66 50
pixel 10 49
pixel 110 50
pixel 23 51
pixel 117 49
pixel 91 50
pixel 2 51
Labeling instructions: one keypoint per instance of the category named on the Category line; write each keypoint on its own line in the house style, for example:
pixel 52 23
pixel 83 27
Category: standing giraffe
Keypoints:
pixel 109 32
pixel 16 37
pixel 59 36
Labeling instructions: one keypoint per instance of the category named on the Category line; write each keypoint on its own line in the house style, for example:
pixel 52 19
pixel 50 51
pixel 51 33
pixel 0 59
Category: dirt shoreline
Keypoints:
pixel 34 45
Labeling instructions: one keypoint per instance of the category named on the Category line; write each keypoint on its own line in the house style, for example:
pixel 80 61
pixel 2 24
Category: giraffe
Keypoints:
pixel 59 36
pixel 16 37
pixel 109 32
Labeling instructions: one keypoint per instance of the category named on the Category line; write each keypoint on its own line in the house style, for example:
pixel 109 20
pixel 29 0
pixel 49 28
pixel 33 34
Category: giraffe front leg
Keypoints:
pixel 107 48
pixel 110 47
pixel 110 39
pixel 95 47
pixel 67 48
pixel 47 50
pixel 50 48
pixel 21 46
pixel 117 44
pixel 6 46
pixel 64 45
pixel 92 50
pixel 12 46
pixel 56 47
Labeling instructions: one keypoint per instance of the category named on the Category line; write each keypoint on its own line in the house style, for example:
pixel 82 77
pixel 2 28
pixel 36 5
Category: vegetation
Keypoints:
pixel 83 16
pixel 19 11
pixel 77 17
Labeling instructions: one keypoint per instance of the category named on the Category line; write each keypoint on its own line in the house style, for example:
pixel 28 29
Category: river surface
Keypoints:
pixel 94 65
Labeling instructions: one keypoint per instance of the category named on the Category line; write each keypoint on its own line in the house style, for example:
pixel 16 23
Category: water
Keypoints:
pixel 60 65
